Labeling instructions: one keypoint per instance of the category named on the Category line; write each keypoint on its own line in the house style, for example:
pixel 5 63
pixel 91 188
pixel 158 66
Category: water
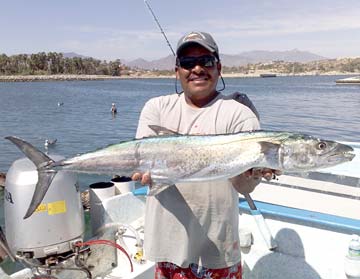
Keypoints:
pixel 314 105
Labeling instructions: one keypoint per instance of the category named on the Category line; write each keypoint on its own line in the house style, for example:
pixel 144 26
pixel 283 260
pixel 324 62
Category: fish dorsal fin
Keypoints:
pixel 162 131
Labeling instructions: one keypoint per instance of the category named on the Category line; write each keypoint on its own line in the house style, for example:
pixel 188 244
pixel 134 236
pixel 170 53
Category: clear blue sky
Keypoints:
pixel 125 29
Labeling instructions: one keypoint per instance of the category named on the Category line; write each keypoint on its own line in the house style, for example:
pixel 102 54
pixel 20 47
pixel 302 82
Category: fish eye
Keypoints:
pixel 321 145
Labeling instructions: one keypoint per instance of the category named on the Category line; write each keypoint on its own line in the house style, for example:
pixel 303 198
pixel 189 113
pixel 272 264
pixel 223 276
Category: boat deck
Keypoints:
pixel 314 195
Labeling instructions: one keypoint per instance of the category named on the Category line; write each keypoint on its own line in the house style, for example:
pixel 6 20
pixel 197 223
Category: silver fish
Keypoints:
pixel 191 158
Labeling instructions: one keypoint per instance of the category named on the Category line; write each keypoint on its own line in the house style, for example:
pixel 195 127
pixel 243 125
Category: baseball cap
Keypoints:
pixel 201 38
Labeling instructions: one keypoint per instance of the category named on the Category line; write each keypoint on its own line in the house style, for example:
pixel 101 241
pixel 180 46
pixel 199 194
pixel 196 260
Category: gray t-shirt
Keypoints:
pixel 194 222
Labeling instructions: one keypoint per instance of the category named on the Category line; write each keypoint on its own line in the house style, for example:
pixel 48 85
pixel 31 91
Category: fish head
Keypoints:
pixel 305 153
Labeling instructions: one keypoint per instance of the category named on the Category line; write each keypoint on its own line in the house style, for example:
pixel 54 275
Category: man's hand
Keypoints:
pixel 144 178
pixel 258 173
pixel 246 182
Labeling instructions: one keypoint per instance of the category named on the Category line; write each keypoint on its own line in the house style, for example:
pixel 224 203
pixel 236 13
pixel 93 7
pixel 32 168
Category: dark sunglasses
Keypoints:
pixel 189 62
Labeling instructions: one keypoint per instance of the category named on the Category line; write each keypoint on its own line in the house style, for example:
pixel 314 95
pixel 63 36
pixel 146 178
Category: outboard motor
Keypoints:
pixel 50 242
pixel 57 223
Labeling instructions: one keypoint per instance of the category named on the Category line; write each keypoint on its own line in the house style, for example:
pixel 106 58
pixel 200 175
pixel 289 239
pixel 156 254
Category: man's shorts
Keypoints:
pixel 166 270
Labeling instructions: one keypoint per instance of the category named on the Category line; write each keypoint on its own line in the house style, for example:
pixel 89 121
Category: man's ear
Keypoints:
pixel 219 67
pixel 177 72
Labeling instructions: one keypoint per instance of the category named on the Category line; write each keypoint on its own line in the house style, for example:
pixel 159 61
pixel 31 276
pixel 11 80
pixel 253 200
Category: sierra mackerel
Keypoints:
pixel 191 158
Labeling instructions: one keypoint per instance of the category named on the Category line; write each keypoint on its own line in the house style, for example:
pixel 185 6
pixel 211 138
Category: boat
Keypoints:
pixel 299 226
pixel 349 80
pixel 268 75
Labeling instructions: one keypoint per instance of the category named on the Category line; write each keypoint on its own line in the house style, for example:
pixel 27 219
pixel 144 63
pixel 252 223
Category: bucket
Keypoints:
pixel 123 184
pixel 99 192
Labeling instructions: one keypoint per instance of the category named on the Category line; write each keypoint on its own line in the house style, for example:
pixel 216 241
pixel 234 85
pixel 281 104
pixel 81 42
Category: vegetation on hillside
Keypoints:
pixel 345 65
pixel 54 63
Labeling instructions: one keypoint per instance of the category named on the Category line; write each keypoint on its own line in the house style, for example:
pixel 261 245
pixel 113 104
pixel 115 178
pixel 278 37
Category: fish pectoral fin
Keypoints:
pixel 269 148
pixel 156 188
pixel 162 131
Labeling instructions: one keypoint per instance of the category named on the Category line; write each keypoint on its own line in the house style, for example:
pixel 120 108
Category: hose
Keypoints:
pixel 119 225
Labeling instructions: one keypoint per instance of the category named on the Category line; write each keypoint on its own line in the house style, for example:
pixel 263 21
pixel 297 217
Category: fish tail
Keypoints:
pixel 45 175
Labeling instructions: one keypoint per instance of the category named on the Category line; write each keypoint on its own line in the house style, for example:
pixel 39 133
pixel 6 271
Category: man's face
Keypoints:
pixel 198 82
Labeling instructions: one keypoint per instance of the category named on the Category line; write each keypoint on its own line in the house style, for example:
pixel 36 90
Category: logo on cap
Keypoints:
pixel 194 36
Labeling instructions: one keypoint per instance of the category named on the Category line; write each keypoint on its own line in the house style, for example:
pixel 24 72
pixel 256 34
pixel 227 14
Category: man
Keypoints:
pixel 191 229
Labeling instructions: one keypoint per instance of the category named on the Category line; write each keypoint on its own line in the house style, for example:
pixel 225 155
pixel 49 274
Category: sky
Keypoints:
pixel 125 29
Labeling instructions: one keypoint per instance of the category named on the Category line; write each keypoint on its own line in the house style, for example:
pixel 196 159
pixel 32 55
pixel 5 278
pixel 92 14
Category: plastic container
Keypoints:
pixel 99 192
pixel 352 259
pixel 246 238
pixel 354 247
pixel 123 184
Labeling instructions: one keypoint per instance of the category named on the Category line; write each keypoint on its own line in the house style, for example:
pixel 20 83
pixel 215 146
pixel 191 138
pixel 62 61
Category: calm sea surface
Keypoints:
pixel 314 105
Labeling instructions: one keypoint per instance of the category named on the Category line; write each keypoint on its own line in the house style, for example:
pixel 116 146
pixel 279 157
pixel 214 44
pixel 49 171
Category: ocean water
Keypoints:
pixel 310 104
pixel 313 105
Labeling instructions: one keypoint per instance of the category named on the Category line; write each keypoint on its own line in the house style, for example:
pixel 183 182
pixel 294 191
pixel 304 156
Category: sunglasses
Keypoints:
pixel 189 62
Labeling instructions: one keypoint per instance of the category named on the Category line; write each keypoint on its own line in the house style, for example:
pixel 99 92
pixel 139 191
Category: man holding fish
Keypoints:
pixel 196 168
pixel 192 230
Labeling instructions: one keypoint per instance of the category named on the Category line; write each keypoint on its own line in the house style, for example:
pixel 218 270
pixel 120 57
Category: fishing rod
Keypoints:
pixel 158 24
pixel 166 39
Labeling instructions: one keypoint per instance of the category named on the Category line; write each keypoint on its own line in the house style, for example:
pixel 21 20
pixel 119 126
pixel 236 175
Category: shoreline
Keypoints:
pixel 35 78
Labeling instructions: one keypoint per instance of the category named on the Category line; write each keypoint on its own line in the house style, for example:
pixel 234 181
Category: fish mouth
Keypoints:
pixel 343 153
pixel 349 156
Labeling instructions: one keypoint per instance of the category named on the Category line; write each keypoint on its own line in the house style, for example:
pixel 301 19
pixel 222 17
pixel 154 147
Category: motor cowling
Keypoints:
pixel 58 221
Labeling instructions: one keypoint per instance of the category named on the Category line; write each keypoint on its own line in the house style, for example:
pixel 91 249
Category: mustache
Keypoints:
pixel 198 75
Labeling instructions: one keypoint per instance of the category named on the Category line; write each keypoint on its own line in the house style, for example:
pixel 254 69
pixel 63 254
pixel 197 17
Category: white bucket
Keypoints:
pixel 98 193
pixel 123 184
pixel 101 191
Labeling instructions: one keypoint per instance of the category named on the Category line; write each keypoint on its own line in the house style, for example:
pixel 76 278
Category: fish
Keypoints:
pixel 172 158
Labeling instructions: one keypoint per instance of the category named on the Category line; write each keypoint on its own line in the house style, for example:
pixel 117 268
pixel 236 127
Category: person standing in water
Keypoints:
pixel 113 108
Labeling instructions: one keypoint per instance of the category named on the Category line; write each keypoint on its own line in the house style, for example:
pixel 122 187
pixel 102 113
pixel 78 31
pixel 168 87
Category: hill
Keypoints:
pixel 244 58
pixel 72 55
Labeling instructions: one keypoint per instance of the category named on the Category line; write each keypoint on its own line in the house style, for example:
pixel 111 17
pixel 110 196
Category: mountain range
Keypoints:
pixel 244 58
pixel 72 55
